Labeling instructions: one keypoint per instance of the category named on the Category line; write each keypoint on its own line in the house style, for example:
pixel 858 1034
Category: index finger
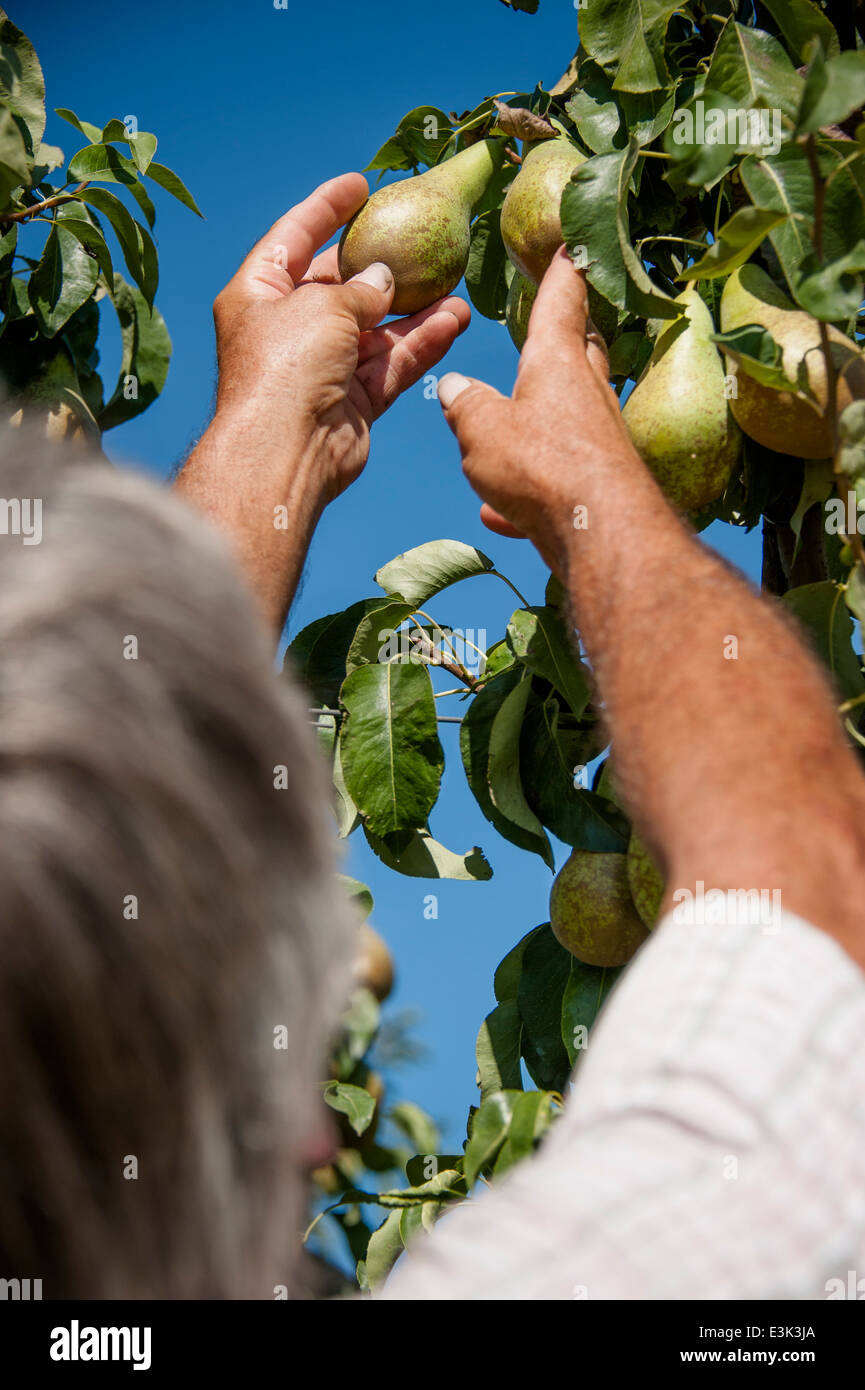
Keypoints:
pixel 281 259
pixel 560 313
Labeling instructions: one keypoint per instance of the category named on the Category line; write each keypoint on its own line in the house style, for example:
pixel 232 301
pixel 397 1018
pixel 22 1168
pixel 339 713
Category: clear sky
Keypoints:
pixel 253 106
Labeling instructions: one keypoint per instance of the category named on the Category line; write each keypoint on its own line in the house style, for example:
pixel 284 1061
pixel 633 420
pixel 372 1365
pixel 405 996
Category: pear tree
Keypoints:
pixel 704 162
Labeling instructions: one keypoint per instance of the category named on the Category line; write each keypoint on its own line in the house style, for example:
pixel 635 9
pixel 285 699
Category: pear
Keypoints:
pixel 531 224
pixel 678 415
pixel 645 881
pixel 419 227
pixel 781 420
pixel 591 911
pixel 522 293
pixel 518 309
pixel 373 965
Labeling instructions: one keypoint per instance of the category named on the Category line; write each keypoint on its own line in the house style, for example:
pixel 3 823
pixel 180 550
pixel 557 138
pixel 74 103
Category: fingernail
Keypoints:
pixel 451 386
pixel 448 314
pixel 378 275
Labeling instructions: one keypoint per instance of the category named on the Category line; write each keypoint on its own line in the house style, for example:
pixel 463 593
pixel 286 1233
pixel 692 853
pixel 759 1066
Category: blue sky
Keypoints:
pixel 253 106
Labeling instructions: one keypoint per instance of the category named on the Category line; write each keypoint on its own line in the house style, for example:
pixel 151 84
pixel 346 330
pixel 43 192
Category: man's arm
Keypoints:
pixel 734 770
pixel 304 370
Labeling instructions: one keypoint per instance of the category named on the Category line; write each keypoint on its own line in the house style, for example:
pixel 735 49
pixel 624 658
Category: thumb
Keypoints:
pixel 368 295
pixel 469 407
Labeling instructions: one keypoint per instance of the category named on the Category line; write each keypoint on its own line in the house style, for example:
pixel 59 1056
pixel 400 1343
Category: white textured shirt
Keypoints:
pixel 712 1146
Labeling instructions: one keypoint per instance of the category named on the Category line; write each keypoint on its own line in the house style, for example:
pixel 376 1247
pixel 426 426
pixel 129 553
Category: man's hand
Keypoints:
pixel 731 784
pixel 524 455
pixel 304 370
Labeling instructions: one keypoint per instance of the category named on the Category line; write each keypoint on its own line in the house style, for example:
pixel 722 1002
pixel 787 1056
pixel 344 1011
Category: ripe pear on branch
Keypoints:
pixel 678 415
pixel 645 881
pixel 782 420
pixel 531 220
pixel 419 227
pixel 592 913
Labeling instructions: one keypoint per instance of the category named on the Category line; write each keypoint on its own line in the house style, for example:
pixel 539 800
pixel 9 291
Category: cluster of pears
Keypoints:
pixel 420 227
pixel 603 906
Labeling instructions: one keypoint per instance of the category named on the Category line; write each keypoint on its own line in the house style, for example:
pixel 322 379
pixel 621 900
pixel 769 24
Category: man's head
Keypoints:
pixel 173 947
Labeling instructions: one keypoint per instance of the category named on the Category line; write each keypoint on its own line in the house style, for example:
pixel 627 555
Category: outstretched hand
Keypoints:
pixel 304 356
pixel 524 454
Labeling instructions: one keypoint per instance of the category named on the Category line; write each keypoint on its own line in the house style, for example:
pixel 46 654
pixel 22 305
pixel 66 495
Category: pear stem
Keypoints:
pixel 524 601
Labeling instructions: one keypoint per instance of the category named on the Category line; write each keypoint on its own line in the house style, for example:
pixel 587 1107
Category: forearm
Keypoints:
pixel 693 668
pixel 265 494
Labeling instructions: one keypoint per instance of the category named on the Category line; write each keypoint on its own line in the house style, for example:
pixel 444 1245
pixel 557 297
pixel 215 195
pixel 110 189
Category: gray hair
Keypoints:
pixel 169 906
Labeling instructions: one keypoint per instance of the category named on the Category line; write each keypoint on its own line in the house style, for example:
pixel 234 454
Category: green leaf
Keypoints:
pixel 736 242
pixel 14 163
pixel 821 611
pixel 319 653
pixel 48 158
pixel 8 246
pixel 392 760
pixel 89 235
pixel 368 642
pixel 546 969
pixel 552 748
pixel 357 893
pixel 533 1113
pixel 488 270
pixel 101 163
pixel 22 85
pixel 353 1102
pixel 146 353
pixel 347 815
pixel 700 160
pixel 416 1125
pixel 586 989
pixel 630 34
pixel 751 66
pixel 799 22
pixel 595 227
pixel 506 981
pixel 834 89
pixel 418 574
pixel 143 147
pixel 489 1128
pixel 140 194
pixel 760 356
pixel 420 856
pixel 135 242
pixel 541 639
pixel 855 594
pixel 384 1249
pixel 498 1050
pixel 647 114
pixel 93 133
pixel 420 139
pixel 784 183
pixel 834 291
pixel 167 179
pixel 593 108
pixel 64 278
pixel 489 744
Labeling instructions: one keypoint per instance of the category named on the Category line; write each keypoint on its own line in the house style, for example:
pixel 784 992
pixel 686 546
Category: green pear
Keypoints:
pixel 678 415
pixel 522 293
pixel 531 224
pixel 781 420
pixel 645 881
pixel 591 911
pixel 419 227
pixel 518 309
